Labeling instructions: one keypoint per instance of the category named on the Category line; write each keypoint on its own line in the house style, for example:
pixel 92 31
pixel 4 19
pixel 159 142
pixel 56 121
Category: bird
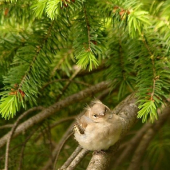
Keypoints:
pixel 98 128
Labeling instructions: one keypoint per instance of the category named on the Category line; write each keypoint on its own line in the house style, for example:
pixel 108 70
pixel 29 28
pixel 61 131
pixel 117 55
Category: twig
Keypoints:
pixel 77 159
pixel 59 149
pixel 132 144
pixel 54 108
pixel 95 70
pixel 136 159
pixel 63 139
pixel 71 158
pixel 103 94
pixel 56 149
pixel 56 123
pixel 23 148
pixel 13 130
pixel 58 80
pixel 6 126
pixel 48 131
pixel 62 120
pixel 68 83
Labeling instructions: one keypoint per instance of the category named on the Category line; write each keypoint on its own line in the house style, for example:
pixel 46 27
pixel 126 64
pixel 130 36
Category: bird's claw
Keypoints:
pixel 76 130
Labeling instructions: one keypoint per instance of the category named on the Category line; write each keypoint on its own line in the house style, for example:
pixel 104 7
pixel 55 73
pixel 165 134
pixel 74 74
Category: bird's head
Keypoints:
pixel 98 112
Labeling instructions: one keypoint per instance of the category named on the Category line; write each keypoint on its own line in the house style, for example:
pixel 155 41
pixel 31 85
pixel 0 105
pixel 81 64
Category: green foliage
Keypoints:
pixel 147 107
pixel 42 40
pixel 88 42
pixel 159 150
pixel 121 75
pixel 51 7
pixel 41 43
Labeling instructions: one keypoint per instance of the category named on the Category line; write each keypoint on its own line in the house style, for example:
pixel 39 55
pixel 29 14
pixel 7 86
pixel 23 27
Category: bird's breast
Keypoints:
pixel 98 136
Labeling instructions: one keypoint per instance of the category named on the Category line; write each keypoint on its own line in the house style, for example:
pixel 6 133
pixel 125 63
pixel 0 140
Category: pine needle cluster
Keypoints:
pixel 43 39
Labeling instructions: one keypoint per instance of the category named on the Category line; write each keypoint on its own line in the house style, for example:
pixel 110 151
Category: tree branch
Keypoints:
pixel 59 149
pixel 71 158
pixel 68 83
pixel 85 72
pixel 48 164
pixel 13 131
pixel 6 126
pixel 23 147
pixel 54 108
pixel 77 159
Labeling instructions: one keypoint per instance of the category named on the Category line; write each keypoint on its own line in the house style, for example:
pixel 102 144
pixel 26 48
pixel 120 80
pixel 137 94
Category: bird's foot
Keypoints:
pixel 99 152
pixel 76 129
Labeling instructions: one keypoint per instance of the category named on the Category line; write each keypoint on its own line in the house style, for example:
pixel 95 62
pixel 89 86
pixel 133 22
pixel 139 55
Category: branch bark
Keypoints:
pixel 54 108
pixel 77 159
pixel 71 158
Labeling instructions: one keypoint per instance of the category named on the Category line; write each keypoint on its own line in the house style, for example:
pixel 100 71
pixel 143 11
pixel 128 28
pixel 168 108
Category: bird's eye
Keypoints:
pixel 105 110
pixel 95 116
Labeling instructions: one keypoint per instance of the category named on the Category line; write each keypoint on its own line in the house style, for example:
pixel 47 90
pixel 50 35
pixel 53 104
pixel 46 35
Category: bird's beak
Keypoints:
pixel 110 115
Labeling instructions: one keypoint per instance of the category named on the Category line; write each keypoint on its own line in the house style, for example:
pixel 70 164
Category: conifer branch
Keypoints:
pixel 121 59
pixel 39 48
pixel 59 64
pixel 82 73
pixel 153 68
pixel 87 26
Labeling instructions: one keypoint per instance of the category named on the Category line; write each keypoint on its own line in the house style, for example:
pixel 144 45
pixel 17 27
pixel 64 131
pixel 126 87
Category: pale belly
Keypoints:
pixel 99 137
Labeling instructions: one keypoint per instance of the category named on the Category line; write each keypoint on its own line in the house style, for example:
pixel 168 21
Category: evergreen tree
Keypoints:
pixel 58 55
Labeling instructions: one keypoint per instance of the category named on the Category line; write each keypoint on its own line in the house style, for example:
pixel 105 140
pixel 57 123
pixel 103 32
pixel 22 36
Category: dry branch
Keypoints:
pixel 23 148
pixel 71 158
pixel 13 131
pixel 49 164
pixel 77 159
pixel 59 149
pixel 6 126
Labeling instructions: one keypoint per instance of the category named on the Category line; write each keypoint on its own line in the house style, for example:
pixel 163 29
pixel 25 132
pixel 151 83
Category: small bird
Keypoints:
pixel 98 128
